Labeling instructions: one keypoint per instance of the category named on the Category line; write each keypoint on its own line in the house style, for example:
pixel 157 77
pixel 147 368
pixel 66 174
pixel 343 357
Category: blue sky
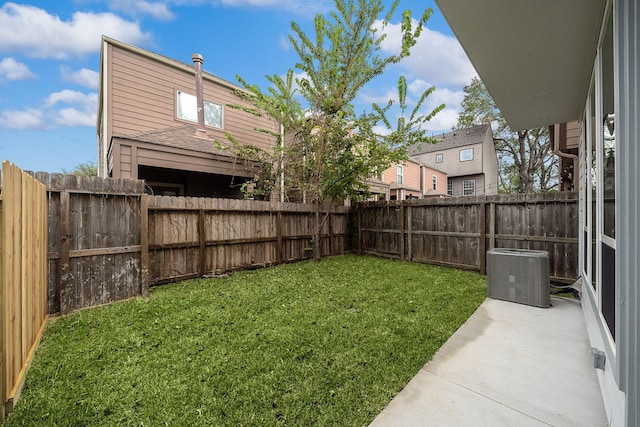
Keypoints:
pixel 50 56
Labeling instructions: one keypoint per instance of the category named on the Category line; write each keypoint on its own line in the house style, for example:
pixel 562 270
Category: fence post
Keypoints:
pixel 63 297
pixel 402 237
pixel 202 262
pixel 280 249
pixel 492 225
pixel 409 232
pixel 331 246
pixel 144 245
pixel 482 247
pixel 359 242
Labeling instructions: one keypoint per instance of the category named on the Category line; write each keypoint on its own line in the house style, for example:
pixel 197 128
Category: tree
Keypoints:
pixel 86 168
pixel 526 162
pixel 328 150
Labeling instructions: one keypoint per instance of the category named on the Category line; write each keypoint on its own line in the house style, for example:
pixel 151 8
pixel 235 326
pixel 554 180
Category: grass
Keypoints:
pixel 297 344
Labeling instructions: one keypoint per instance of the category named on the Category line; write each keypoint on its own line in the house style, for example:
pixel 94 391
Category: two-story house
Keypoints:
pixel 467 156
pixel 413 180
pixel 158 119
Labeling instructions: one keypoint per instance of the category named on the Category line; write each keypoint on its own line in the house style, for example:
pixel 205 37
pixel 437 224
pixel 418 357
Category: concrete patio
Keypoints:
pixel 508 365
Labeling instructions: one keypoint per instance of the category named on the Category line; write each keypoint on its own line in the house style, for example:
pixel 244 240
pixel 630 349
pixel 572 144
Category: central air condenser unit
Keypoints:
pixel 519 275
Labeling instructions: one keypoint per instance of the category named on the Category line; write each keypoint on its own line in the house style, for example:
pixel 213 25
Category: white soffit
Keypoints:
pixel 534 56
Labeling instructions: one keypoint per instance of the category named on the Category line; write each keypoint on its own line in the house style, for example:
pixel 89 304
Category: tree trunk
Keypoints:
pixel 316 234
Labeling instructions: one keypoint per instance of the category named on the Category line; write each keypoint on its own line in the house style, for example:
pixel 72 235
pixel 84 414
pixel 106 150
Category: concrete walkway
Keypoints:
pixel 508 365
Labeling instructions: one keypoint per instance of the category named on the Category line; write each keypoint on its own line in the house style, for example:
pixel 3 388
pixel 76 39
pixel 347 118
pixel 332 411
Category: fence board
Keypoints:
pixel 23 278
pixel 95 251
pixel 459 231
pixel 238 234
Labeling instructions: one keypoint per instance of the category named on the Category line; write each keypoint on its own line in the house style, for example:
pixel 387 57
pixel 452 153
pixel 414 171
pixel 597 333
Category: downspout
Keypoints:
pixel 560 153
pixel 197 64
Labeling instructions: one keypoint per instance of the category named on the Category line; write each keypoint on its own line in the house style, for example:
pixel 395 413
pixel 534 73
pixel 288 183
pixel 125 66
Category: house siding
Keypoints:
pixel 627 17
pixel 479 139
pixel 141 96
pixel 143 93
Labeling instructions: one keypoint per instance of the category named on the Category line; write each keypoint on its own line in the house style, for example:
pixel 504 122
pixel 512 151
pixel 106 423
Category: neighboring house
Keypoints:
pixel 467 156
pixel 557 62
pixel 413 180
pixel 148 121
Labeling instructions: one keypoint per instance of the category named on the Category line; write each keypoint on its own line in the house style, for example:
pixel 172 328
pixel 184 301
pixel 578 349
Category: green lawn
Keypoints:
pixel 301 344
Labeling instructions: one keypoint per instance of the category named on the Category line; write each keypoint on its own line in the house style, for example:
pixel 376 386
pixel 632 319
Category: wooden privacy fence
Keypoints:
pixel 194 237
pixel 457 232
pixel 108 241
pixel 23 278
pixel 94 253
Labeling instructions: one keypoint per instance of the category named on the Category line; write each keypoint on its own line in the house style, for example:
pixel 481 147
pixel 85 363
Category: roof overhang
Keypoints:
pixel 534 56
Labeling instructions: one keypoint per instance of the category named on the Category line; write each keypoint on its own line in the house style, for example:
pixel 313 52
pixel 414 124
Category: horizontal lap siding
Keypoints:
pixel 143 97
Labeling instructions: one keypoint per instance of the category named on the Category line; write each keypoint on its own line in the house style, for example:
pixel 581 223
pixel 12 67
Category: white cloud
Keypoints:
pixel 302 7
pixel 36 33
pixel 20 120
pixel 10 69
pixel 81 112
pixel 83 77
pixel 65 108
pixel 72 117
pixel 436 57
pixel 157 10
pixel 284 43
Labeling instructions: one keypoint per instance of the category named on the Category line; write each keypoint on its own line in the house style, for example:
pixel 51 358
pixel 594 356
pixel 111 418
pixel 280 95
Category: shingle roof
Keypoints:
pixel 178 137
pixel 457 138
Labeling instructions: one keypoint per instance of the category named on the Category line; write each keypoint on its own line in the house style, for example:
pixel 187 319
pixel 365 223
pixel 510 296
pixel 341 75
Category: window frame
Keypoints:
pixel 188 116
pixel 439 158
pixel 466 150
pixel 466 189
pixel 400 174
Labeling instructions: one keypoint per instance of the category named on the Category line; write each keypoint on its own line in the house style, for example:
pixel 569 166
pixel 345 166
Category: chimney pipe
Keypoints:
pixel 197 64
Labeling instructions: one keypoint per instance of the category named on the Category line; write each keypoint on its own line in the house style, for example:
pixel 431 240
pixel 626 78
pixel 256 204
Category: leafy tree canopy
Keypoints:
pixel 327 150
pixel 86 168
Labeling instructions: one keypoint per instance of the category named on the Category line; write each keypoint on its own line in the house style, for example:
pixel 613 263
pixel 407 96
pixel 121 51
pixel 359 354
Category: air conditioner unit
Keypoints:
pixel 519 275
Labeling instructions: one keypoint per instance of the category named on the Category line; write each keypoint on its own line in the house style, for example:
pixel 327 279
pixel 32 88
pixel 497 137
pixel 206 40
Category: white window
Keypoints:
pixel 450 187
pixel 466 154
pixel 187 109
pixel 399 173
pixel 434 182
pixel 469 187
pixel 439 158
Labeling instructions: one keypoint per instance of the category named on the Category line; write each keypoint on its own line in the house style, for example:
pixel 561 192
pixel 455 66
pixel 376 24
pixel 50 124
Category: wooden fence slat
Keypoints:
pixel 23 285
pixel 456 232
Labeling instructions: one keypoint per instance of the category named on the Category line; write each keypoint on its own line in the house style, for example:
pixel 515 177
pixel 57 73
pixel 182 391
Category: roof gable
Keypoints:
pixel 454 139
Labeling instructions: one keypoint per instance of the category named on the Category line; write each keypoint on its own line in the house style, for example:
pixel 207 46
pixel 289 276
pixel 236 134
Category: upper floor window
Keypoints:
pixel 400 174
pixel 187 109
pixel 469 187
pixel 434 182
pixel 466 154
pixel 439 158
